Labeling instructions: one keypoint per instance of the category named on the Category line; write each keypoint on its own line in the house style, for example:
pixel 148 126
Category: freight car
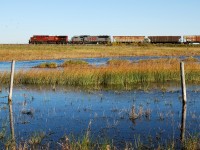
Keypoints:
pixel 190 39
pixel 87 39
pixel 165 39
pixel 129 39
pixel 46 39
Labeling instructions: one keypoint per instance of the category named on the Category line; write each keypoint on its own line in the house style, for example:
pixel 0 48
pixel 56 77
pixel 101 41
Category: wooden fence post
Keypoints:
pixel 10 104
pixel 184 100
pixel 183 86
pixel 11 80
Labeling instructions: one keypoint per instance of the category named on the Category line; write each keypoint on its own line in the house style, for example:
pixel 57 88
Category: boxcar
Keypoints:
pixel 191 39
pixel 165 39
pixel 128 39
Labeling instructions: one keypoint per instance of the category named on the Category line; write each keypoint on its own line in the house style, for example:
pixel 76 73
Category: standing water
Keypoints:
pixel 152 116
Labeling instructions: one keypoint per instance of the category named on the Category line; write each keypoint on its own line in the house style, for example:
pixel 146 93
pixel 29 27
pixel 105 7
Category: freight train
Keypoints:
pixel 106 39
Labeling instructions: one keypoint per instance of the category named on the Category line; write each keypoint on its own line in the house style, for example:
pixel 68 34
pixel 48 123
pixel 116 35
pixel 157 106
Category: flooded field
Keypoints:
pixel 121 117
pixel 5 66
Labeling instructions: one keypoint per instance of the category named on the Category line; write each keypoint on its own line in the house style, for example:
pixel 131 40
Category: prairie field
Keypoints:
pixel 42 52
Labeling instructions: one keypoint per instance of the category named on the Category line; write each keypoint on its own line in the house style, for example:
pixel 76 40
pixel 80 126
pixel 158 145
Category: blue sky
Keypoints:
pixel 21 19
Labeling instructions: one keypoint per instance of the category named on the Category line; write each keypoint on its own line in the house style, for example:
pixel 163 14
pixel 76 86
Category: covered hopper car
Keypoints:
pixel 129 39
pixel 46 39
pixel 191 39
pixel 165 39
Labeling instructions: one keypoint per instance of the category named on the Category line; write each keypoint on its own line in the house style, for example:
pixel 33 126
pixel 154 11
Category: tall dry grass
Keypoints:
pixel 115 73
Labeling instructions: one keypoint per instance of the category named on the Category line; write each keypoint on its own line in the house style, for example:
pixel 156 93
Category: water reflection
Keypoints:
pixel 12 130
pixel 183 121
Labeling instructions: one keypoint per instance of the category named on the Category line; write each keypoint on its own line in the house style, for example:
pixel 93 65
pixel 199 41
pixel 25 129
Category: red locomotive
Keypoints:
pixel 46 39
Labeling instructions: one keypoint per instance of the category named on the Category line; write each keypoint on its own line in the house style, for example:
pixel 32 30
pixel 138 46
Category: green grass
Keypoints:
pixel 86 143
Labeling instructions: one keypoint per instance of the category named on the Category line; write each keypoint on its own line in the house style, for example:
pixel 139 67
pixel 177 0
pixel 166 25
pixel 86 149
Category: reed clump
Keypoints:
pixel 74 63
pixel 47 65
pixel 36 138
pixel 135 114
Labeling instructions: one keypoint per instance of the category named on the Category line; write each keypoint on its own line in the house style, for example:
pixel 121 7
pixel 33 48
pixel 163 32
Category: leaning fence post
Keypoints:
pixel 11 80
pixel 183 86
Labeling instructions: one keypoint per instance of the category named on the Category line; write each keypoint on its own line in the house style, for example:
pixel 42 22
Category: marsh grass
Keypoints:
pixel 192 143
pixel 9 144
pixel 135 114
pixel 87 143
pixel 36 138
pixel 47 65
pixel 2 133
pixel 141 73
pixel 84 143
pixel 74 63
pixel 68 63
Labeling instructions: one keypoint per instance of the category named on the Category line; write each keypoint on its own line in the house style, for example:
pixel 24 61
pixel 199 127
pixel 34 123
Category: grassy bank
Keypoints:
pixel 116 73
pixel 33 52
pixel 86 143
